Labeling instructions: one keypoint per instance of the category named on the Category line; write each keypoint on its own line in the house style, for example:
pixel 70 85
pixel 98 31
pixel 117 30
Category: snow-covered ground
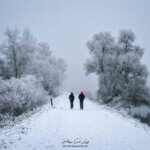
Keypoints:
pixel 94 128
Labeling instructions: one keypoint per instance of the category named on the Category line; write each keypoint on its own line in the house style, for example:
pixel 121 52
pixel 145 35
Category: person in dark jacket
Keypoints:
pixel 81 98
pixel 71 97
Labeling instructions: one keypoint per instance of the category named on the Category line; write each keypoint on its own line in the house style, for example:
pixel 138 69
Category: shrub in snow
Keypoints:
pixel 21 95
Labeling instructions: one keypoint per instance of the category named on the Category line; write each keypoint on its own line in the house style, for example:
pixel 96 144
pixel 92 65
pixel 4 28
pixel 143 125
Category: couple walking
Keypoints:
pixel 81 98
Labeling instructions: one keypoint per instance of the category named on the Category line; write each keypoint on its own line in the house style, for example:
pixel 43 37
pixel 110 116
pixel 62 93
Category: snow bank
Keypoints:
pixel 95 126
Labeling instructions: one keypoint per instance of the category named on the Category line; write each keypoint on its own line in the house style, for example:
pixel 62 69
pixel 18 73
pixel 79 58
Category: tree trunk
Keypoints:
pixel 15 63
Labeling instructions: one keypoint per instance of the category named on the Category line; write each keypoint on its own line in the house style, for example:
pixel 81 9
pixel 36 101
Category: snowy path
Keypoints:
pixel 50 128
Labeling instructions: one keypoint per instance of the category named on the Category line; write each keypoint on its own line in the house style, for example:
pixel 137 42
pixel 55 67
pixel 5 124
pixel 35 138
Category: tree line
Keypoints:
pixel 122 78
pixel 29 72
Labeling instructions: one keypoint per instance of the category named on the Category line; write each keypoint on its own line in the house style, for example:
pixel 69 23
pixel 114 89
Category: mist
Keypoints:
pixel 67 26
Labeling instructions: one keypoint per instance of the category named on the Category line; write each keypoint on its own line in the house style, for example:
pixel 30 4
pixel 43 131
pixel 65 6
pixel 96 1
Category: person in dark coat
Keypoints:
pixel 81 98
pixel 71 97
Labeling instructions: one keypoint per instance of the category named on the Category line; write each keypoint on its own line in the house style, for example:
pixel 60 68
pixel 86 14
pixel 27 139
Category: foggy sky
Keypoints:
pixel 66 25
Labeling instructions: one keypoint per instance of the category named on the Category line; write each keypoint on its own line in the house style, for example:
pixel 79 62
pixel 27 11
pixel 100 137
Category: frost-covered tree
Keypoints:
pixel 10 49
pixel 16 52
pixel 48 69
pixel 122 77
pixel 28 45
pixel 134 74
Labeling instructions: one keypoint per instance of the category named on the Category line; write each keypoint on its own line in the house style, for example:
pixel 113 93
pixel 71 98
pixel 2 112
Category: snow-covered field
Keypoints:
pixel 94 128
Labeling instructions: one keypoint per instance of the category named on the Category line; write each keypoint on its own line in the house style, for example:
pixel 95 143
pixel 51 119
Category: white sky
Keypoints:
pixel 66 25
